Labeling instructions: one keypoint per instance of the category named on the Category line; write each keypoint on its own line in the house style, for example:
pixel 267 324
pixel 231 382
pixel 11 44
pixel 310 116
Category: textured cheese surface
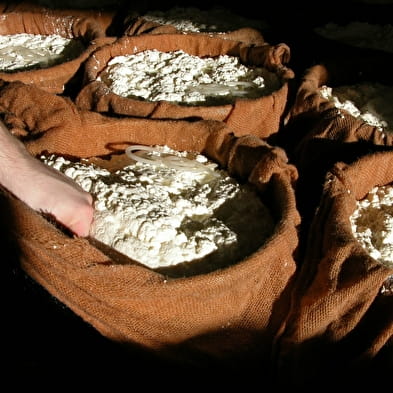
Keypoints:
pixel 370 102
pixel 176 76
pixel 162 216
pixel 192 19
pixel 372 224
pixel 25 51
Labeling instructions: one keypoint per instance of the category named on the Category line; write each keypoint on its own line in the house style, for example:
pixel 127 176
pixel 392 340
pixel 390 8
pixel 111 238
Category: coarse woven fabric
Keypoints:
pixel 139 25
pixel 317 135
pixel 229 315
pixel 337 302
pixel 54 78
pixel 259 116
pixel 343 298
pixel 104 16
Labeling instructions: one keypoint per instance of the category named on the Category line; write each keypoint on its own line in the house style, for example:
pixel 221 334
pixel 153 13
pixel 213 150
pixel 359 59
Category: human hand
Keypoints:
pixel 43 188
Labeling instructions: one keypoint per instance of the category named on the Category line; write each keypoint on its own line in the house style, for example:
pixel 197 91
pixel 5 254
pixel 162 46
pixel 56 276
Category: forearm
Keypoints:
pixel 14 159
pixel 41 187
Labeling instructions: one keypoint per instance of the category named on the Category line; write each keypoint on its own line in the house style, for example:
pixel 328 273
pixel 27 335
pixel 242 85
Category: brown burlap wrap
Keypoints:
pixel 104 16
pixel 139 25
pixel 312 116
pixel 317 135
pixel 258 116
pixel 226 314
pixel 340 327
pixel 53 78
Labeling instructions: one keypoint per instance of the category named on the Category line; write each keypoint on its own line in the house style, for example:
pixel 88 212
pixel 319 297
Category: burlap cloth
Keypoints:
pixel 139 25
pixel 258 116
pixel 340 326
pixel 228 315
pixel 132 21
pixel 105 16
pixel 317 135
pixel 53 78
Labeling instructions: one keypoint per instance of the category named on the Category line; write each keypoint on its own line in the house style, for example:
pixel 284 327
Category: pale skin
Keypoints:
pixel 43 188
